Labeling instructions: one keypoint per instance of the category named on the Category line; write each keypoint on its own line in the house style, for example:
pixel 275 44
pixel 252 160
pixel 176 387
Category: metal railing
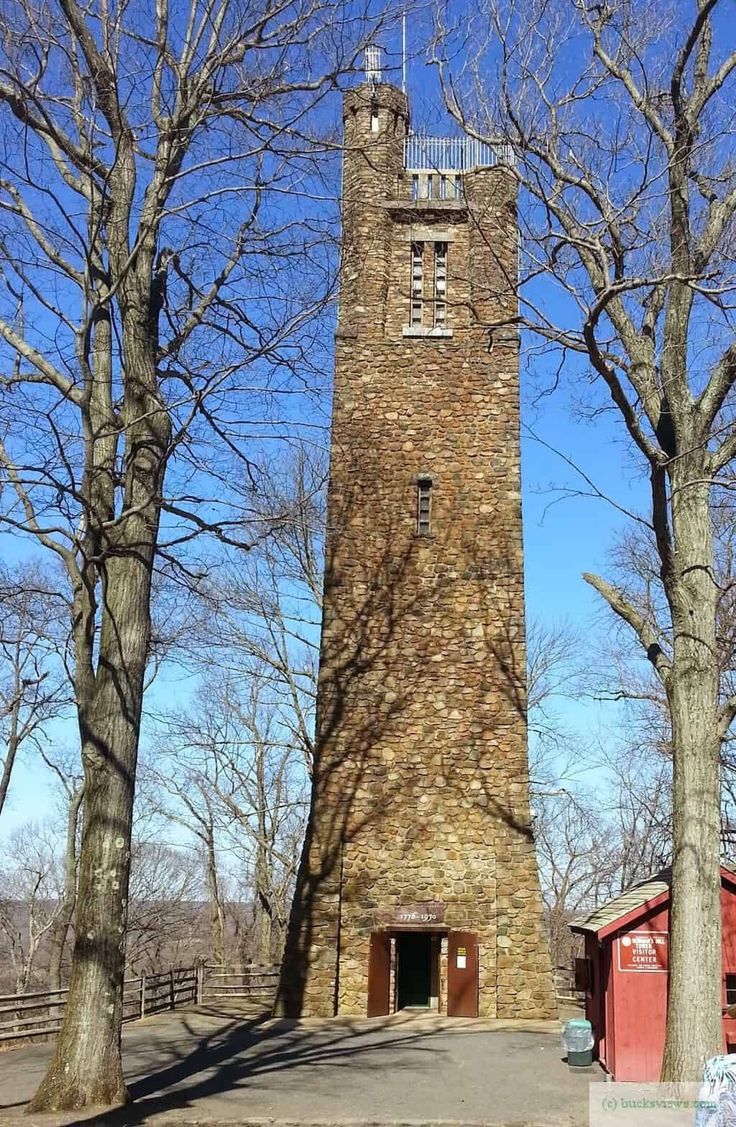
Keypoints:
pixel 453 154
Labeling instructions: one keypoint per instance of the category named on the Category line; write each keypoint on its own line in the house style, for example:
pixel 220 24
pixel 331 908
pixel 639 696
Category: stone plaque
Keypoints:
pixel 414 915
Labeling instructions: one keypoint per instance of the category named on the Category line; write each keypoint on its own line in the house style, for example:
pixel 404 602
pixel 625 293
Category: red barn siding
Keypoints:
pixel 628 1008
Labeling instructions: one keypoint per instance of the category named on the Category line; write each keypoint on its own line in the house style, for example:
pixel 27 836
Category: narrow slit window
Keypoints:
pixel 417 282
pixel 458 187
pixel 424 506
pixel 443 187
pixel 374 121
pixel 415 187
pixel 430 186
pixel 731 989
pixel 440 285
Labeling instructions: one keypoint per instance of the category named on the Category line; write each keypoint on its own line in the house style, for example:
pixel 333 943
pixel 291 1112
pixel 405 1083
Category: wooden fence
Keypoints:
pixel 40 1014
pixel 253 984
pixel 567 994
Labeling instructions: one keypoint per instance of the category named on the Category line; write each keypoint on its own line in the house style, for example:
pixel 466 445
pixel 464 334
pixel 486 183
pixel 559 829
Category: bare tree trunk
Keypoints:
pixel 86 1067
pixel 13 734
pixel 262 907
pixel 695 982
pixel 9 762
pixel 60 930
pixel 217 915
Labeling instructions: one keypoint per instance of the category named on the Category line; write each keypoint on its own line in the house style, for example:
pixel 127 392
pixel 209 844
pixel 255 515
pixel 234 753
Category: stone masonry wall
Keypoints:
pixel 421 778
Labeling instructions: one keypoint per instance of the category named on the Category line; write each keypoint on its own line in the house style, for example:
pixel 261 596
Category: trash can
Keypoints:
pixel 577 1038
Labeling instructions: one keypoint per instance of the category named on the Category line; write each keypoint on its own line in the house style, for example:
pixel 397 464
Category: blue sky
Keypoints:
pixel 563 535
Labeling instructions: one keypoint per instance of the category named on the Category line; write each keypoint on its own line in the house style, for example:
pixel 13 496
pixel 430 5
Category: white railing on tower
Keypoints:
pixel 452 154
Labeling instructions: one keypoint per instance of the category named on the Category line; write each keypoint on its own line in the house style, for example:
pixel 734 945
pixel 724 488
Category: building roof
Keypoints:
pixel 644 895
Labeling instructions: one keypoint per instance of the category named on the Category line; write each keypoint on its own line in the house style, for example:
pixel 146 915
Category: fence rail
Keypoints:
pixel 257 984
pixel 567 993
pixel 40 1013
pixel 453 154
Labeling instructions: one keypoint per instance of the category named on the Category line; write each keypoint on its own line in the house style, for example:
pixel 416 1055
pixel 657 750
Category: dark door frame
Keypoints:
pixel 414 978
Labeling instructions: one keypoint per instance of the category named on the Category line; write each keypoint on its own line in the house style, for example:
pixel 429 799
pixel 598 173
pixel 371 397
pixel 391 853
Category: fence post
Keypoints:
pixel 143 995
pixel 200 984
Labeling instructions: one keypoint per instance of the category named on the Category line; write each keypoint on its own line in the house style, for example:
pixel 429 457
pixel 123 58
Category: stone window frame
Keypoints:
pixel 419 239
pixel 416 307
pixel 424 484
pixel 439 312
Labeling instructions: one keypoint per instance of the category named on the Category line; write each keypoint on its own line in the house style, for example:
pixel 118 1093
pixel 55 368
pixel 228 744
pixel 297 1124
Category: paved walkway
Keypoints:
pixel 209 1066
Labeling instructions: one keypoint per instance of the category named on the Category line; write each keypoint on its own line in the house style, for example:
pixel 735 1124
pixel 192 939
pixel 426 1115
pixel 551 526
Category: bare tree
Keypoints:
pixel 158 288
pixel 622 129
pixel 267 604
pixel 617 674
pixel 239 780
pixel 227 762
pixel 577 862
pixel 70 785
pixel 164 913
pixel 34 687
pixel 264 794
pixel 185 799
pixel 595 842
pixel 594 838
pixel 30 898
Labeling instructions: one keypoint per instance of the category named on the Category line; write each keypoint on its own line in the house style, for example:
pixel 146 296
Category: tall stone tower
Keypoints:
pixel 418 883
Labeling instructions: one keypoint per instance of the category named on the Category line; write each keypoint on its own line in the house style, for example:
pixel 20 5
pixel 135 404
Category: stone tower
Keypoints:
pixel 418 884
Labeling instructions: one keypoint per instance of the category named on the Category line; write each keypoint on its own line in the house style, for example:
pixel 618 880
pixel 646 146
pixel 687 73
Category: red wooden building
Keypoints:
pixel 625 974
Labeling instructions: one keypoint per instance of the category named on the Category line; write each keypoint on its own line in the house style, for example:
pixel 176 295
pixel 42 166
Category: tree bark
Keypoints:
pixel 692 689
pixel 13 735
pixel 86 1068
pixel 217 916
pixel 60 930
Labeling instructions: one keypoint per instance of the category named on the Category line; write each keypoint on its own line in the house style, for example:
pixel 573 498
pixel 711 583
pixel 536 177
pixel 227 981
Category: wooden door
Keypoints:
pixel 462 974
pixel 379 975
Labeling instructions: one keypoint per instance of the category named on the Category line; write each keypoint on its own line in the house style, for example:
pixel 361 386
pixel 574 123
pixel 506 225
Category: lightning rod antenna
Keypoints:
pixel 403 52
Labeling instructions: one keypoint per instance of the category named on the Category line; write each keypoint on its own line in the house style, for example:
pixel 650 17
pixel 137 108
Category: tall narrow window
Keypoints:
pixel 417 282
pixel 730 989
pixel 424 506
pixel 440 285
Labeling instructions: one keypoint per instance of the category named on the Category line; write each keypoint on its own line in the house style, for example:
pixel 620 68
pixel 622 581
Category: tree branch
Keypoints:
pixel 620 605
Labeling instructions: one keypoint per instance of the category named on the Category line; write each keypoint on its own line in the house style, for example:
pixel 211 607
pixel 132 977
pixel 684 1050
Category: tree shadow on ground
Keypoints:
pixel 228 1058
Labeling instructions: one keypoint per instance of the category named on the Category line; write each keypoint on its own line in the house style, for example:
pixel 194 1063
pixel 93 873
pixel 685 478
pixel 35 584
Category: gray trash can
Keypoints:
pixel 577 1039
